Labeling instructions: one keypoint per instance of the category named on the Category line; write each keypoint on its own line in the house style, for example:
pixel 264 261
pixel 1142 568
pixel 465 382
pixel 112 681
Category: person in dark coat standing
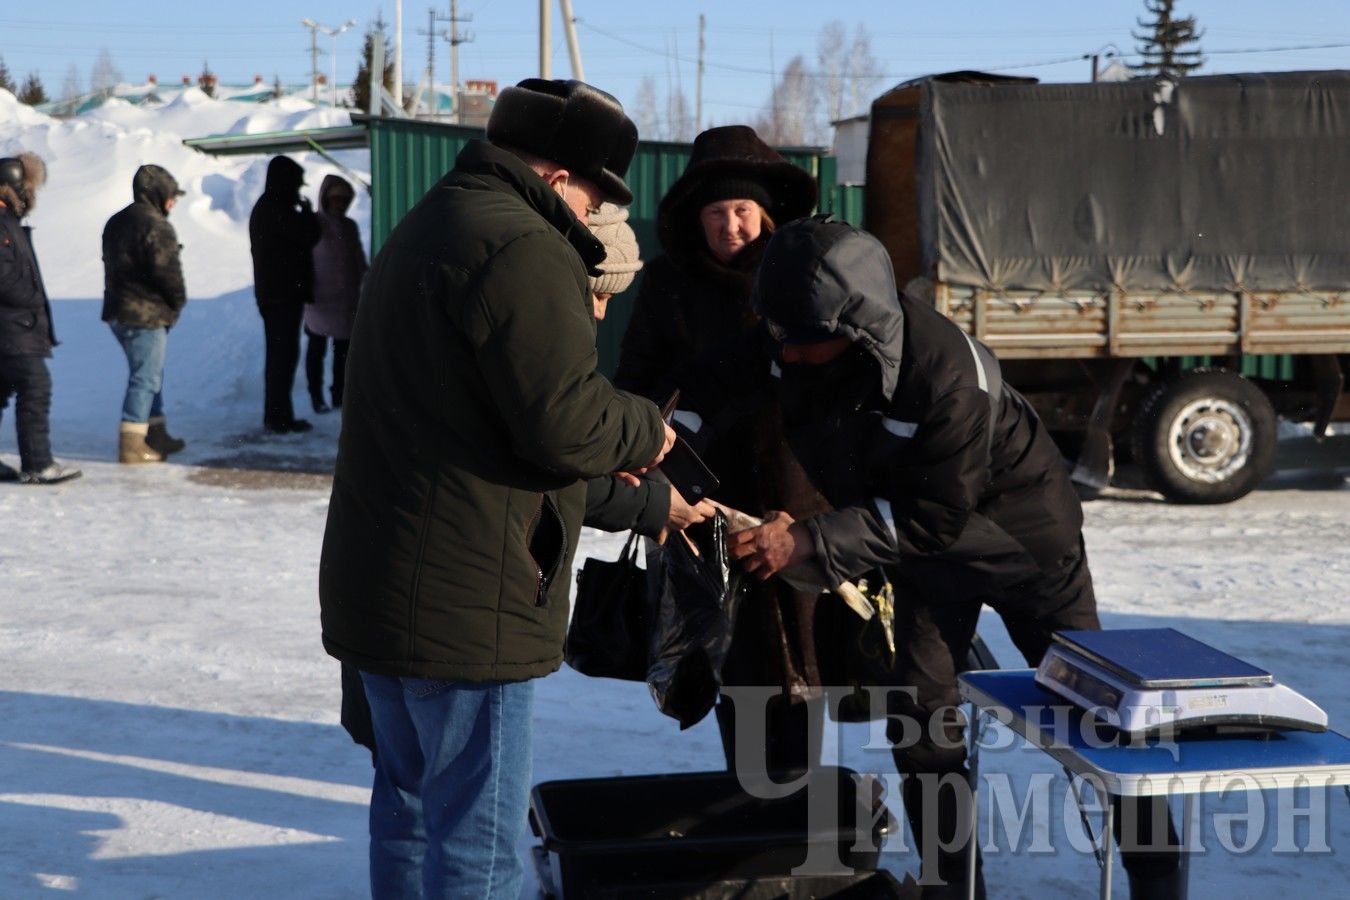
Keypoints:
pixel 693 329
pixel 339 266
pixel 143 295
pixel 473 416
pixel 282 231
pixel 942 477
pixel 26 333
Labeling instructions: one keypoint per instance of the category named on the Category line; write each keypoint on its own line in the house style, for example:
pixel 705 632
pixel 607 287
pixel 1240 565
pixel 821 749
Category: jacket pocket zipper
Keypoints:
pixel 544 580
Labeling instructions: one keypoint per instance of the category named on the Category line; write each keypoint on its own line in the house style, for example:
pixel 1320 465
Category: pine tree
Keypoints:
pixel 1170 46
pixel 7 80
pixel 361 89
pixel 33 93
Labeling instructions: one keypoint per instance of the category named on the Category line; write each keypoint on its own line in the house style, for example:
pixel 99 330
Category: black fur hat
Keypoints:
pixel 571 123
pixel 734 158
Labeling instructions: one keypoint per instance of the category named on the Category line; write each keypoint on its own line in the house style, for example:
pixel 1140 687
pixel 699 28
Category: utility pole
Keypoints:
pixel 313 58
pixel 432 34
pixel 573 48
pixel 545 40
pixel 455 38
pixel 698 90
pixel 398 52
pixel 314 29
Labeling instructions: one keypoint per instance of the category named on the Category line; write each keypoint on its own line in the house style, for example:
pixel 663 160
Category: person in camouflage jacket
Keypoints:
pixel 143 295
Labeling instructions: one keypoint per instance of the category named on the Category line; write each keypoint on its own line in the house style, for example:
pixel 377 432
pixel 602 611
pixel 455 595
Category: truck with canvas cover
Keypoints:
pixel 1162 265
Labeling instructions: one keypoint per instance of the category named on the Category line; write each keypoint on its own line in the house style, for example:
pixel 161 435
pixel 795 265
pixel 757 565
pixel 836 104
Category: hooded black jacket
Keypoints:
pixel 927 457
pixel 25 313
pixel 282 233
pixel 142 274
pixel 472 412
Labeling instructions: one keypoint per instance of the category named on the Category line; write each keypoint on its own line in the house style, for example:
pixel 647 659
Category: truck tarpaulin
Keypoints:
pixel 1216 183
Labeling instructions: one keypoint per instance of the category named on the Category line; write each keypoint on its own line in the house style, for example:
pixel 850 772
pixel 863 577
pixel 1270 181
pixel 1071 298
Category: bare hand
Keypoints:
pixel 769 548
pixel 682 515
pixel 665 448
pixel 629 479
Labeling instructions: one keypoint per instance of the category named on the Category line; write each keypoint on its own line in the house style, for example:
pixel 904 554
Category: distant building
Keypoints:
pixel 850 148
pixel 476 100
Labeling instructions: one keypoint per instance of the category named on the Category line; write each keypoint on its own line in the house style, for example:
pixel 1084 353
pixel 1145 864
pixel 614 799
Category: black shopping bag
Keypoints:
pixel 694 607
pixel 608 634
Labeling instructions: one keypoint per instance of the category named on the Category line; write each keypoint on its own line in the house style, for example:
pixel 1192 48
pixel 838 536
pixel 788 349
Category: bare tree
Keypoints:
pixel 72 86
pixel 864 74
pixel 679 117
pixel 805 101
pixel 832 64
pixel 645 114
pixel 790 118
pixel 104 75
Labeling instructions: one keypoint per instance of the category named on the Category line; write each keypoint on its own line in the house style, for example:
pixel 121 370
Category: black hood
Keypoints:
pixel 154 185
pixel 284 177
pixel 820 278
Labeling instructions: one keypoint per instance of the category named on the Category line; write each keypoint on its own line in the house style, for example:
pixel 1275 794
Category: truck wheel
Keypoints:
pixel 1205 437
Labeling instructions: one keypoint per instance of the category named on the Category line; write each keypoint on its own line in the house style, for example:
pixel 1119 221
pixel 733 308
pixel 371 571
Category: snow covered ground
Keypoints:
pixel 168 719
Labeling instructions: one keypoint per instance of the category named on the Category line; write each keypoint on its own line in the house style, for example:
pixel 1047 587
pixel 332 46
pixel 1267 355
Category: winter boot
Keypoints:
pixel 160 440
pixel 132 445
pixel 8 472
pixel 52 473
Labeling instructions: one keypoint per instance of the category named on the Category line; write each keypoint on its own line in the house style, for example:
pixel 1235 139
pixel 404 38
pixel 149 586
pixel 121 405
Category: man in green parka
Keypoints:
pixel 472 415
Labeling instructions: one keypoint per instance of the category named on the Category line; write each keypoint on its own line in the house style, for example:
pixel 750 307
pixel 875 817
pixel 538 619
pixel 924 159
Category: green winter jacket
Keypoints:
pixel 472 413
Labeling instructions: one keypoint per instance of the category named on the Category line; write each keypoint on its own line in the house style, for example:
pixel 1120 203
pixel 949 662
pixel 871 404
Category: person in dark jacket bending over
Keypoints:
pixel 938 474
pixel 472 418
pixel 26 333
pixel 282 230
pixel 143 295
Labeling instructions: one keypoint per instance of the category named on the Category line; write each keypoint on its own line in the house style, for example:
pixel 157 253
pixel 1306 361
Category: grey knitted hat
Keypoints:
pixel 610 227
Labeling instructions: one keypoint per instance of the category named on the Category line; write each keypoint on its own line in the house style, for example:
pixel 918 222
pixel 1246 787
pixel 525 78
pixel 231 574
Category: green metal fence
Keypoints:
pixel 407 157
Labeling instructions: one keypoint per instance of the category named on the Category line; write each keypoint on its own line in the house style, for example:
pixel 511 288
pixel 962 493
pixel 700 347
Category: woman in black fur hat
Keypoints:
pixel 693 330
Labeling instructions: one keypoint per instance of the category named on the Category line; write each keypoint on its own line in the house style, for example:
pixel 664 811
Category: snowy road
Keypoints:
pixel 168 719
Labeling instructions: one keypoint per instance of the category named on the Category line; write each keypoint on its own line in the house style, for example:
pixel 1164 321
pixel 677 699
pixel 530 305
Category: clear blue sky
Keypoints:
pixel 624 40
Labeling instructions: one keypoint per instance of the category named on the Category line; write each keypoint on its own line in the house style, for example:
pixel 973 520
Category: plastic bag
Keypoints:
pixel 695 599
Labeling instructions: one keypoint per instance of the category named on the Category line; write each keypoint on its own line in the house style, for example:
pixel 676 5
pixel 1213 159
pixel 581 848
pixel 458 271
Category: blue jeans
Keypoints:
pixel 145 349
pixel 452 779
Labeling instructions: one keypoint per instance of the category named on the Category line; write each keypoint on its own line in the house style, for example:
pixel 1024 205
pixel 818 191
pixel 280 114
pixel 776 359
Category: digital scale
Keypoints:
pixel 1143 681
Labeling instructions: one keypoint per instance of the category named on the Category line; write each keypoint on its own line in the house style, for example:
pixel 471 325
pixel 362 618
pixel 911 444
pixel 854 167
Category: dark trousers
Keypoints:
pixel 315 350
pixel 933 638
pixel 787 732
pixel 26 379
pixel 281 327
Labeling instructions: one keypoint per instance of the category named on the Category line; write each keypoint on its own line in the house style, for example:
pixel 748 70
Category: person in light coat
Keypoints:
pixel 339 266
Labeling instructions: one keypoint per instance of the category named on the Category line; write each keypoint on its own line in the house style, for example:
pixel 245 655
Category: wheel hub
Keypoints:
pixel 1210 439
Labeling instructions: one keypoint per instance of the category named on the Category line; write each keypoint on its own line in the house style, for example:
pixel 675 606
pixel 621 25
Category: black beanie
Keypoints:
pixel 730 187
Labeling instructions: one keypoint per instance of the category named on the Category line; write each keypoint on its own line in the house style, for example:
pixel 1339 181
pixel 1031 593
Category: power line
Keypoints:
pixel 1278 49
pixel 907 75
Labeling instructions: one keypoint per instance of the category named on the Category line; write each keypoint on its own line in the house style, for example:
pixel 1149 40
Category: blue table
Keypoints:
pixel 1286 759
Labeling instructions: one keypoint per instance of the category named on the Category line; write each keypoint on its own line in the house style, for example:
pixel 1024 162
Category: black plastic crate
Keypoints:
pixel 859 886
pixel 702 827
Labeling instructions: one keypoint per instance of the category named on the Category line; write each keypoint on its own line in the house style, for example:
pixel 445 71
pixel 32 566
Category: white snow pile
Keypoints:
pixel 168 720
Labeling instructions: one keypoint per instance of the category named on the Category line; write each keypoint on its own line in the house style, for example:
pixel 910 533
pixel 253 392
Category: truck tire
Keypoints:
pixel 1205 437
